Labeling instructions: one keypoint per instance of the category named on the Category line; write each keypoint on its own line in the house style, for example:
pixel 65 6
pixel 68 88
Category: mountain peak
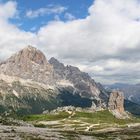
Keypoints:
pixel 30 53
pixel 30 47
pixel 29 63
pixel 53 61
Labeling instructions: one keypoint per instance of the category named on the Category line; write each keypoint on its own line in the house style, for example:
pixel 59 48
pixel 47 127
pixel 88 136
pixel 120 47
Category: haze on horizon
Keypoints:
pixel 101 37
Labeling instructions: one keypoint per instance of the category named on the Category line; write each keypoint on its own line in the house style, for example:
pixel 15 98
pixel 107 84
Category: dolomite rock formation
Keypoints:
pixel 28 63
pixel 116 101
pixel 80 80
pixel 116 105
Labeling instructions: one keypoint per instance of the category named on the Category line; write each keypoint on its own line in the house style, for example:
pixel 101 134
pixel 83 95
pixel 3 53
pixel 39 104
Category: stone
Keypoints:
pixel 116 101
pixel 116 105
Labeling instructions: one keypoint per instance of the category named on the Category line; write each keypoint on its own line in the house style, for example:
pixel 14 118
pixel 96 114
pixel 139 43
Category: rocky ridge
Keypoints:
pixel 80 80
pixel 29 81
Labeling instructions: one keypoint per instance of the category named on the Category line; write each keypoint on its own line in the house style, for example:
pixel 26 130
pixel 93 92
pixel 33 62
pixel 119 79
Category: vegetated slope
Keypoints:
pixel 132 107
pixel 79 119
pixel 25 98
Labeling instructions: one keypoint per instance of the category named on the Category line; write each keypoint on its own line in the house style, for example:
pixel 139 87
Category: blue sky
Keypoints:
pixel 76 8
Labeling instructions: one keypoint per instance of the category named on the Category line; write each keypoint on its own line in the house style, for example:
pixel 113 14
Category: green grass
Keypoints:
pixel 104 118
pixel 95 117
pixel 46 117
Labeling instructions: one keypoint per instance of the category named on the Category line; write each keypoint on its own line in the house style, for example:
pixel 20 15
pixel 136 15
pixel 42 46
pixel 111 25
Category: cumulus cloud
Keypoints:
pixel 45 11
pixel 106 43
pixel 11 38
pixel 7 10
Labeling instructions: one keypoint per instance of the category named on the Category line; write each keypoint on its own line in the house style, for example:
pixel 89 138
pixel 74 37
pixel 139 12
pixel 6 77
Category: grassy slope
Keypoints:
pixel 46 117
pixel 91 118
pixel 76 125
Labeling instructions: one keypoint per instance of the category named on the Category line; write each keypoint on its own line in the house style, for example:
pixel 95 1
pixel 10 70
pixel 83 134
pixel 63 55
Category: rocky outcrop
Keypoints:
pixel 116 104
pixel 59 68
pixel 116 101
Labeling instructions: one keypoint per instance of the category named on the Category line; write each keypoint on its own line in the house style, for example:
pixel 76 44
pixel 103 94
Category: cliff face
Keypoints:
pixel 81 80
pixel 116 104
pixel 82 83
pixel 28 63
pixel 116 101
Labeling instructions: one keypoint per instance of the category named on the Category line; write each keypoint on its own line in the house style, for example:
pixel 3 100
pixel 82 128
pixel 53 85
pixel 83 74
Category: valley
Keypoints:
pixel 83 125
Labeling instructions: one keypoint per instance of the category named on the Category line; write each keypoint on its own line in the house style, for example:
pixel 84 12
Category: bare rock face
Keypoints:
pixel 29 63
pixel 116 105
pixel 116 101
pixel 81 80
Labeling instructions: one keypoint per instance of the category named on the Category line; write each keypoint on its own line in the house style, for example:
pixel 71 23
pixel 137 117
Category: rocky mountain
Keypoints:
pixel 28 63
pixel 31 84
pixel 80 80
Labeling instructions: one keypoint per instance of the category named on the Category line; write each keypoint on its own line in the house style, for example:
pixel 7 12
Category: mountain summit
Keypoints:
pixel 29 63
pixel 31 54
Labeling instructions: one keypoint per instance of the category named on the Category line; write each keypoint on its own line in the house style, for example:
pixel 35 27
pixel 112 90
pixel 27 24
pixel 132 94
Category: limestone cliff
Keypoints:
pixel 28 63
pixel 116 101
pixel 116 104
pixel 81 80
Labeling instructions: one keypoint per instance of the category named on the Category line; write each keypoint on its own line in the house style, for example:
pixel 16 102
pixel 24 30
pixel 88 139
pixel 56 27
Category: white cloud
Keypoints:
pixel 7 10
pixel 11 38
pixel 45 11
pixel 69 16
pixel 106 43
